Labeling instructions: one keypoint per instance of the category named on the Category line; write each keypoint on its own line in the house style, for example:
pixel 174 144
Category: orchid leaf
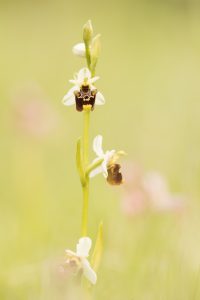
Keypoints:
pixel 98 249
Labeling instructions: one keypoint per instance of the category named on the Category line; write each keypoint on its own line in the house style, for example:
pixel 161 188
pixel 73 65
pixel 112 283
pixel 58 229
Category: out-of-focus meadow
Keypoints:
pixel 150 76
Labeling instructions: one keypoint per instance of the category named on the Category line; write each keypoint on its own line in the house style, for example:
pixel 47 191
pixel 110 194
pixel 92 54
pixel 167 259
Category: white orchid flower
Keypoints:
pixel 108 167
pixel 79 49
pixel 107 157
pixel 79 258
pixel 83 79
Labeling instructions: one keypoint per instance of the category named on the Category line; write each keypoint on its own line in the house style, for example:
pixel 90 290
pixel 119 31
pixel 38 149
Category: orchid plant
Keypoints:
pixel 85 96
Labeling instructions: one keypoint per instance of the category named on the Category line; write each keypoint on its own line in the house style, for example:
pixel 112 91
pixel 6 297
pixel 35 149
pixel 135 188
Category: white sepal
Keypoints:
pixel 107 157
pixel 79 49
pixel 100 100
pixel 88 272
pixel 69 98
pixel 83 247
pixel 97 145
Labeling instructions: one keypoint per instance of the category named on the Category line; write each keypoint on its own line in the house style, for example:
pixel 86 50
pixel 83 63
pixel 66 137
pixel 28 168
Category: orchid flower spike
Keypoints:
pixel 78 260
pixel 109 168
pixel 83 93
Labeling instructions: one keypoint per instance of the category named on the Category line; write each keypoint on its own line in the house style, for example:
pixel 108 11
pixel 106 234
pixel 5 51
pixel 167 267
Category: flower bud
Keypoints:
pixel 87 32
pixel 96 46
pixel 79 49
pixel 95 51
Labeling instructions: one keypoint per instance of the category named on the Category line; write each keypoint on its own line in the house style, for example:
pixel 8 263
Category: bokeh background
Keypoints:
pixel 150 76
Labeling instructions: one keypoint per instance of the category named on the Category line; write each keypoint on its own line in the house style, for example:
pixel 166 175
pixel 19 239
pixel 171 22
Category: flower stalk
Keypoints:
pixel 85 185
pixel 86 125
pixel 79 162
pixel 87 54
pixel 84 225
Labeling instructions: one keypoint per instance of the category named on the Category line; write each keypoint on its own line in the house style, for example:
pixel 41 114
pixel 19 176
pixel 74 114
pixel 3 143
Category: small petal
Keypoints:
pixel 79 49
pixel 92 87
pixel 88 272
pixel 97 145
pixel 83 247
pixel 100 100
pixel 96 171
pixel 93 79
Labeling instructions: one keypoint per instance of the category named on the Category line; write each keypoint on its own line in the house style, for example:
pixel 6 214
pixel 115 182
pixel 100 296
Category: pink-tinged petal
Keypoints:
pixel 169 203
pixel 83 247
pixel 155 184
pixel 133 174
pixel 160 198
pixel 134 202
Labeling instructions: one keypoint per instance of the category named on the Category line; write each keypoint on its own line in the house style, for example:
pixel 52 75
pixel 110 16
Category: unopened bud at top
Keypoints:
pixel 87 32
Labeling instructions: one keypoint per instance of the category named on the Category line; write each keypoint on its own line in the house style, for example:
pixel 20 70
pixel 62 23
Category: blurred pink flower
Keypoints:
pixel 159 195
pixel 33 113
pixel 133 202
pixel 147 192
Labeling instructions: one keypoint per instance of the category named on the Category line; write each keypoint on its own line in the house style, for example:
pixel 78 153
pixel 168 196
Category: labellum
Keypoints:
pixel 73 265
pixel 114 174
pixel 85 98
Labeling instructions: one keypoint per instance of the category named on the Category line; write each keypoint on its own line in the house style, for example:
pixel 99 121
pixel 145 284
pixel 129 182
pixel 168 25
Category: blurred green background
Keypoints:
pixel 150 76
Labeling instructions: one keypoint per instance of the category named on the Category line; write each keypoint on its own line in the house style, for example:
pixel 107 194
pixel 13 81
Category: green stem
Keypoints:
pixel 93 68
pixel 85 208
pixel 79 161
pixel 85 186
pixel 87 54
pixel 86 124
